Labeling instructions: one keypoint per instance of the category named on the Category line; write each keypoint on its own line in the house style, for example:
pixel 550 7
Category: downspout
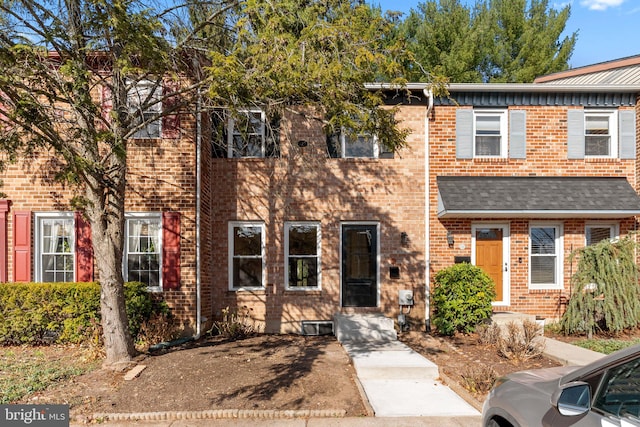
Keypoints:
pixel 198 204
pixel 427 247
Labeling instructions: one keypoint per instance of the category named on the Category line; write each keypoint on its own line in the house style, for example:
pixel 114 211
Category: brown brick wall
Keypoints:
pixel 161 177
pixel 306 185
pixel 546 156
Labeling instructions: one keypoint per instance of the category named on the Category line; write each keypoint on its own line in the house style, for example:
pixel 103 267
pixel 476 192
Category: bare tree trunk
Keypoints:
pixel 105 211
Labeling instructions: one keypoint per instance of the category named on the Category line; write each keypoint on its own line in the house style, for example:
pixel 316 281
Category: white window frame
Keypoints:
pixel 345 141
pixel 232 257
pixel 612 116
pixel 40 218
pixel 559 254
pixel 504 131
pixel 614 229
pixel 262 134
pixel 318 256
pixel 150 216
pixel 142 88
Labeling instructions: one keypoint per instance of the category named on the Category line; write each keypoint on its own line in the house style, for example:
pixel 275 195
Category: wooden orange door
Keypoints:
pixel 489 256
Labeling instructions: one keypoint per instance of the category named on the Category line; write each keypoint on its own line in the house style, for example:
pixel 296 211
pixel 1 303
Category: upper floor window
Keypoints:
pixel 302 253
pixel 146 106
pixel 55 247
pixel 495 133
pixel 490 133
pixel 593 133
pixel 600 133
pixel 142 251
pixel 246 255
pixel 357 146
pixel 245 133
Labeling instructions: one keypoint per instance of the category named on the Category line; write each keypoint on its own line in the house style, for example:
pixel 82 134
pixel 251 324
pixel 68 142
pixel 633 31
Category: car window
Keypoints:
pixel 619 393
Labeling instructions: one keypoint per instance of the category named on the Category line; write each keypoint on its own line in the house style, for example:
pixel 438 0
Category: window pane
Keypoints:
pixel 597 125
pixel 543 240
pixel 487 145
pixel 596 145
pixel 247 272
pixel 56 250
pixel 303 272
pixel 543 269
pixel 487 125
pixel 303 240
pixel 598 234
pixel 619 394
pixel 362 146
pixel 248 134
pixel 247 241
pixel 144 105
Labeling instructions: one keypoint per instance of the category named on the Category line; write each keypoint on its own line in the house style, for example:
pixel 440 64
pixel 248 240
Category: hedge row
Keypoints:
pixel 45 313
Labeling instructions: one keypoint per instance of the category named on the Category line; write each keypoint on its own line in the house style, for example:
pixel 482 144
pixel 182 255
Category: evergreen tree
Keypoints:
pixel 606 296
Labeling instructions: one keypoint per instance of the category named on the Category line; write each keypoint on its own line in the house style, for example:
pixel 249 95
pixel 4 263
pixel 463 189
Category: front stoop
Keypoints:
pixel 370 327
pixel 505 317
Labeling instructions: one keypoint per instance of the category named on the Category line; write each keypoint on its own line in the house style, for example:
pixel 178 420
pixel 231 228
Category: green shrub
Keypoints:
pixel 41 313
pixel 461 298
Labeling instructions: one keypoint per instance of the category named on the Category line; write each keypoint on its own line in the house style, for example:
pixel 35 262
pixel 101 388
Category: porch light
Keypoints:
pixel 450 239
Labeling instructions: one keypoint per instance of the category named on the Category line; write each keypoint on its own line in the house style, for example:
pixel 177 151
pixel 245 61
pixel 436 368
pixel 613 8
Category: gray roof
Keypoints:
pixel 619 72
pixel 536 197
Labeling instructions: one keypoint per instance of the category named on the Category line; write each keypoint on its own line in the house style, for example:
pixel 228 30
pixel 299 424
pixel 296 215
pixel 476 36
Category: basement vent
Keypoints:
pixel 317 327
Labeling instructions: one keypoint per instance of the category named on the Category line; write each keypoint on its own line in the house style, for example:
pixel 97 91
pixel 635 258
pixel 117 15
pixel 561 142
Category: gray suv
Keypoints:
pixel 605 393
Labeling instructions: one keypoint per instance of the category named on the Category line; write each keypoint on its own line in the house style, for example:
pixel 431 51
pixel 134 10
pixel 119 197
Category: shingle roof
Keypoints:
pixel 536 197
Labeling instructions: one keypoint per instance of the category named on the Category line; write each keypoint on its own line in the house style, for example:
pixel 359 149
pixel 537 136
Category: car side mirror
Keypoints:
pixel 572 399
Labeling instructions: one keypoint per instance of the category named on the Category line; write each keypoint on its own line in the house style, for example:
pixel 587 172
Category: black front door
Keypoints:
pixel 359 265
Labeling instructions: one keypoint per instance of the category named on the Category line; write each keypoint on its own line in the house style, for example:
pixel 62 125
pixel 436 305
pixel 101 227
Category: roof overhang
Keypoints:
pixel 536 197
pixel 511 87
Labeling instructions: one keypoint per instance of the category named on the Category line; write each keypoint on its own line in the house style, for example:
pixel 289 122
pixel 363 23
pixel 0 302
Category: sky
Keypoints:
pixel 607 29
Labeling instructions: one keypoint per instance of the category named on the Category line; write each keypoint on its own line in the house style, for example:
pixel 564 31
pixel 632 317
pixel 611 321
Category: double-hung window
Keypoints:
pixel 247 134
pixel 246 255
pixel 302 255
pixel 595 233
pixel 145 105
pixel 600 134
pixel 490 133
pixel 545 256
pixel 143 249
pixel 55 247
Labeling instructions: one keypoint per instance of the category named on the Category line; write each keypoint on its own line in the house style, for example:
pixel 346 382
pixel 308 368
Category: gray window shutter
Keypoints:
pixel 517 134
pixel 575 134
pixel 464 134
pixel 627 134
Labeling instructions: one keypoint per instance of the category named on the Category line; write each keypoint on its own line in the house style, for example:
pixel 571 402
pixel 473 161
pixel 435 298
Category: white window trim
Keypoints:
pixel 504 132
pixel 39 216
pixel 344 142
pixel 263 134
pixel 559 256
pixel 154 108
pixel 613 226
pixel 125 251
pixel 230 235
pixel 287 227
pixel 506 257
pixel 613 131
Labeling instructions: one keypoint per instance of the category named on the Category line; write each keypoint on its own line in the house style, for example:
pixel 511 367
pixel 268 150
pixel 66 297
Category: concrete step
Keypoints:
pixel 373 327
pixel 505 317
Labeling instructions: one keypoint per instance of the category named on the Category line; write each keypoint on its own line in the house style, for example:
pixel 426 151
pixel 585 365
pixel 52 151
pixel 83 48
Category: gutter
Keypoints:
pixel 513 87
pixel 427 222
pixel 198 215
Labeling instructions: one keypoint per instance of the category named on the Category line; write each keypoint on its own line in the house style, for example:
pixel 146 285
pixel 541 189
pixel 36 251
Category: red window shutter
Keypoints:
pixel 84 250
pixel 22 246
pixel 171 250
pixel 170 122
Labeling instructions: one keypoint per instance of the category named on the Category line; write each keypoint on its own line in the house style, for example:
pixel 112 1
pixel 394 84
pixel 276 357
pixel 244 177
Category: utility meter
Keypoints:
pixel 405 297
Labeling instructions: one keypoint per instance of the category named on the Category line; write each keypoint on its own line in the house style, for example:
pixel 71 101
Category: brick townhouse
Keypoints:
pixel 277 220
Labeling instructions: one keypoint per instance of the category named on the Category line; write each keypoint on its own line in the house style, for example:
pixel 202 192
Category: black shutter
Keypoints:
pixel 219 134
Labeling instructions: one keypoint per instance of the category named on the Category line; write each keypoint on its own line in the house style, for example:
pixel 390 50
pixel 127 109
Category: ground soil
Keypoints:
pixel 264 372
